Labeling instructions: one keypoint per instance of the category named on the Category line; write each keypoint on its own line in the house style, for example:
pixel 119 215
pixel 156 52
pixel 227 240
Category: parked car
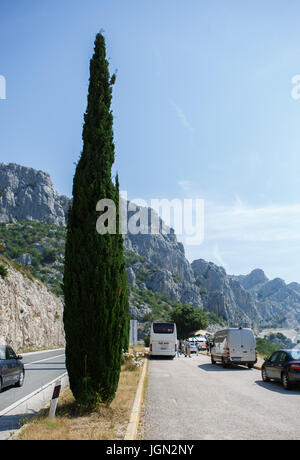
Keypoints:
pixel 11 369
pixel 284 366
pixel 193 347
pixel 234 346
pixel 201 343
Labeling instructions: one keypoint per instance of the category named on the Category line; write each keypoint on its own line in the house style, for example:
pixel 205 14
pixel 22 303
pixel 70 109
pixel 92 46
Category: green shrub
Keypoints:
pixel 3 271
pixel 265 348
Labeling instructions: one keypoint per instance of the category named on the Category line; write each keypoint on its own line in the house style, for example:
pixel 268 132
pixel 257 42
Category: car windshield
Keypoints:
pixel 295 354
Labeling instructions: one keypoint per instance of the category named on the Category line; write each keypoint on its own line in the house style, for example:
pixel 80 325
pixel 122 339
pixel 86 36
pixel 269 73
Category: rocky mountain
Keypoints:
pixel 28 194
pixel 225 295
pixel 252 300
pixel 276 300
pixel 169 273
pixel 160 277
pixel 30 315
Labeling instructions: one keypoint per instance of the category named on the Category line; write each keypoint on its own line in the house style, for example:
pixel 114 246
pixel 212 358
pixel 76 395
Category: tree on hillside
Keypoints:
pixel 188 320
pixel 96 314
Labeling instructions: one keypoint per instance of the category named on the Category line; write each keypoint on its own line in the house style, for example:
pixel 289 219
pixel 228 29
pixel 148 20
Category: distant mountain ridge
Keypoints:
pixel 156 264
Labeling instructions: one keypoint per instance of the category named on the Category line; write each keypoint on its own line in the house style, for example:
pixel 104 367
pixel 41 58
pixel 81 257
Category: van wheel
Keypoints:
pixel 212 360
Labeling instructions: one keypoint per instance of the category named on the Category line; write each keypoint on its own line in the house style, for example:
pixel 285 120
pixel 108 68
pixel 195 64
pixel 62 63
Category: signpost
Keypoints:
pixel 133 333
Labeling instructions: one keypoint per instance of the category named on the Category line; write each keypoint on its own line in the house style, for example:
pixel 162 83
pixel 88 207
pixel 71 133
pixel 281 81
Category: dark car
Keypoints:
pixel 11 369
pixel 284 366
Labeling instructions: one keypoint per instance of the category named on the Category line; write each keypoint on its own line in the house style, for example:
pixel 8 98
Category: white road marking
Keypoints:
pixel 42 360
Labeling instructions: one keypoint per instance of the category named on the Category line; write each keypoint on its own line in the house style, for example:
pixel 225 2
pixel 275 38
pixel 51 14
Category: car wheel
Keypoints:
pixel 0 384
pixel 212 360
pixel 264 375
pixel 21 379
pixel 285 381
pixel 250 366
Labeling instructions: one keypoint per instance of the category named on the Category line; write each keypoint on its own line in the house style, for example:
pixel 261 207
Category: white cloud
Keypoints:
pixel 218 257
pixel 276 222
pixel 241 222
pixel 181 116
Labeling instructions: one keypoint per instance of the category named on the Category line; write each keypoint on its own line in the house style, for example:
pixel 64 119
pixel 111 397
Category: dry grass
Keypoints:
pixel 106 423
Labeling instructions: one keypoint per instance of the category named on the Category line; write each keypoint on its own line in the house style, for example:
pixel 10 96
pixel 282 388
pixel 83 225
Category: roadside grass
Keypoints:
pixel 71 423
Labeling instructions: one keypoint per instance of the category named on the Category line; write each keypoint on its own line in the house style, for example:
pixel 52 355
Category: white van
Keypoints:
pixel 234 346
pixel 163 339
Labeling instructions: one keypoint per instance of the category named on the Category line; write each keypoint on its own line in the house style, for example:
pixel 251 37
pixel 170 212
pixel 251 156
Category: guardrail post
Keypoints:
pixel 54 400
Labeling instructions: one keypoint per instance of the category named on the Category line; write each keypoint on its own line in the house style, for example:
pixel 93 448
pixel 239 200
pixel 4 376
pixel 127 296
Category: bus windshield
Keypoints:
pixel 163 328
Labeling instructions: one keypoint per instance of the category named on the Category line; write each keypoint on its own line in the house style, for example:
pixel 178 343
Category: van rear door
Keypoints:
pixel 248 345
pixel 235 345
pixel 242 345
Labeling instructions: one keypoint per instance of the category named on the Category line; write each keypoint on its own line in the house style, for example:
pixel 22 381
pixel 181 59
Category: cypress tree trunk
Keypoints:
pixel 96 314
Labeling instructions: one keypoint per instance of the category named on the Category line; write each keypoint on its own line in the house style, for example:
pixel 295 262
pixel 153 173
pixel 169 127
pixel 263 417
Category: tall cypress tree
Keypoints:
pixel 96 314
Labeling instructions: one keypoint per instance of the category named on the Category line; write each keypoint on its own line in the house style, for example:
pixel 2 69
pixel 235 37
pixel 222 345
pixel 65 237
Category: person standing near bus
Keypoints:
pixel 187 349
pixel 178 349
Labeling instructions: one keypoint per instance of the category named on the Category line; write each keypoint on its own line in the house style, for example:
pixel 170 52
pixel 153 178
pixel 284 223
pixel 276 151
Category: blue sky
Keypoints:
pixel 202 107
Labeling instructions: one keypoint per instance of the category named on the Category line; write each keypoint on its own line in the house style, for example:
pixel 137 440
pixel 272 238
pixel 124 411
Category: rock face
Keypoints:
pixel 255 278
pixel 30 315
pixel 27 194
pixel 161 249
pixel 225 295
pixel 166 270
pixel 276 301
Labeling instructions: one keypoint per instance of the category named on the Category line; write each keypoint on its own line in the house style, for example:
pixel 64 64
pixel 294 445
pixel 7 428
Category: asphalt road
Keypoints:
pixel 40 369
pixel 191 399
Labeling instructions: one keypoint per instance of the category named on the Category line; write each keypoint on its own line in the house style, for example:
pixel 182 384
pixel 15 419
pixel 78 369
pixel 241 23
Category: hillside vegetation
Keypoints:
pixel 38 246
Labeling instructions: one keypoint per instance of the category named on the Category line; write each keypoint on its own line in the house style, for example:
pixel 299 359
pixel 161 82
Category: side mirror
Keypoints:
pixel 19 357
pixel 266 359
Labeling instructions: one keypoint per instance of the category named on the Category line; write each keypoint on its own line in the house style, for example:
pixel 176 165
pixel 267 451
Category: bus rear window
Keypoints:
pixel 163 328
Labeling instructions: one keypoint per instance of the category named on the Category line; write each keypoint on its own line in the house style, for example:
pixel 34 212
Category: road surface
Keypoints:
pixel 40 369
pixel 191 399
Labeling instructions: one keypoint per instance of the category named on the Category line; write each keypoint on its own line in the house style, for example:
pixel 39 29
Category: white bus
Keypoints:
pixel 163 339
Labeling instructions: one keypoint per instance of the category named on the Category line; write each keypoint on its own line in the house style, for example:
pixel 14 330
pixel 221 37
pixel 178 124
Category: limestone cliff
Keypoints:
pixel 30 315
pixel 28 194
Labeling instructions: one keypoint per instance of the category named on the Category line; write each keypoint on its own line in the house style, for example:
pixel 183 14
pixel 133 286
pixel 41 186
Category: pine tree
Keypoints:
pixel 96 314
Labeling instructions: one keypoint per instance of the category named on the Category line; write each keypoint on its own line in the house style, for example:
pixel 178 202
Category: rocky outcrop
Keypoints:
pixel 161 249
pixel 178 290
pixel 224 295
pixel 162 262
pixel 276 301
pixel 30 315
pixel 28 194
pixel 256 278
